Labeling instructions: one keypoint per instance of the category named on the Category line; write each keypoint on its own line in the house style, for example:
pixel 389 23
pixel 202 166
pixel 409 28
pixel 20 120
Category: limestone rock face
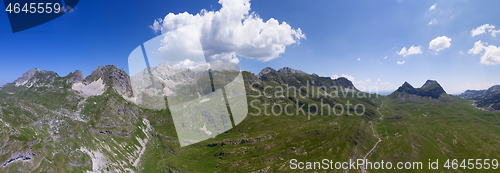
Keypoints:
pixel 26 76
pixel 265 71
pixel 291 70
pixel 77 76
pixel 112 77
pixel 488 100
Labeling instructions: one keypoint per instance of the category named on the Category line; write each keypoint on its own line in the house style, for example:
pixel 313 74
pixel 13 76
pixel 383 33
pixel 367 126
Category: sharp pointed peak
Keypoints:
pixel 265 71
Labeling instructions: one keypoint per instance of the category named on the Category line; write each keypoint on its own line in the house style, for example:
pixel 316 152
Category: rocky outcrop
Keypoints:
pixel 488 100
pixel 37 78
pixel 75 77
pixel 265 71
pixel 291 70
pixel 479 94
pixel 112 77
pixel 104 132
pixel 406 87
pixel 344 82
pixel 26 76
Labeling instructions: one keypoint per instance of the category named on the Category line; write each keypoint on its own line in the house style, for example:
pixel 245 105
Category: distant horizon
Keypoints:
pixel 379 44
pixel 380 92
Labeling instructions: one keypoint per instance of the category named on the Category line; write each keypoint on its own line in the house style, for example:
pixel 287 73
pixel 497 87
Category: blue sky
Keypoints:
pixel 357 39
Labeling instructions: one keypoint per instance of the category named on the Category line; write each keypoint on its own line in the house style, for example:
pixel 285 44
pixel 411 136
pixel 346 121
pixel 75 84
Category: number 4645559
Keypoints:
pixel 34 8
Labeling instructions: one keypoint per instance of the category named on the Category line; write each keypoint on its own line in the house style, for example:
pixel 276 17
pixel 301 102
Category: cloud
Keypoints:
pixel 461 53
pixel 400 62
pixel 382 83
pixel 482 29
pixel 432 22
pixel 368 84
pixel 343 75
pixel 412 50
pixel 494 32
pixel 385 57
pixel 225 57
pixel 185 64
pixel 440 43
pixel 491 55
pixel 478 48
pixel 234 31
pixel 359 59
pixel 433 7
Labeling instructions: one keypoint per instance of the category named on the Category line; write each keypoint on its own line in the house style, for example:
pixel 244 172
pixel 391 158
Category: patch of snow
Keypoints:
pixel 204 100
pixel 142 149
pixel 93 89
pixel 99 161
pixel 142 142
pixel 205 129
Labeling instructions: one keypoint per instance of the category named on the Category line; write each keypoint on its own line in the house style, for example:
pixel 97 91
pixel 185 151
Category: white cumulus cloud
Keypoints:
pixel 184 64
pixel 494 32
pixel 412 50
pixel 343 75
pixel 433 7
pixel 359 59
pixel 440 43
pixel 368 85
pixel 432 22
pixel 491 55
pixel 400 62
pixel 234 31
pixel 483 28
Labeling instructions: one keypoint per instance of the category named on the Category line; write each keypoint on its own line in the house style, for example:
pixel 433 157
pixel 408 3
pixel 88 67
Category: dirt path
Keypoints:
pixel 379 111
pixel 375 135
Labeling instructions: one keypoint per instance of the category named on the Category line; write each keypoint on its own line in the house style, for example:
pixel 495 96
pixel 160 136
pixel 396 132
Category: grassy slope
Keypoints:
pixel 452 129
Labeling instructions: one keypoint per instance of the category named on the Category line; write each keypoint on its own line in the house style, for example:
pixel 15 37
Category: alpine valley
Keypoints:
pixel 50 123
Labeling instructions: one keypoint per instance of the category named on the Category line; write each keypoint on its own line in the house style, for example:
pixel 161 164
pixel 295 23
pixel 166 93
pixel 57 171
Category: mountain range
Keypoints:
pixel 488 99
pixel 431 88
pixel 74 123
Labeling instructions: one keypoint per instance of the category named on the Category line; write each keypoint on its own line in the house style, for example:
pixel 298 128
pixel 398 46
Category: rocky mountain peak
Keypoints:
pixel 113 77
pixel 36 77
pixel 344 82
pixel 432 85
pixel 408 88
pixel 26 76
pixel 291 70
pixel 74 77
pixel 265 71
pixel 429 83
pixel 431 88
